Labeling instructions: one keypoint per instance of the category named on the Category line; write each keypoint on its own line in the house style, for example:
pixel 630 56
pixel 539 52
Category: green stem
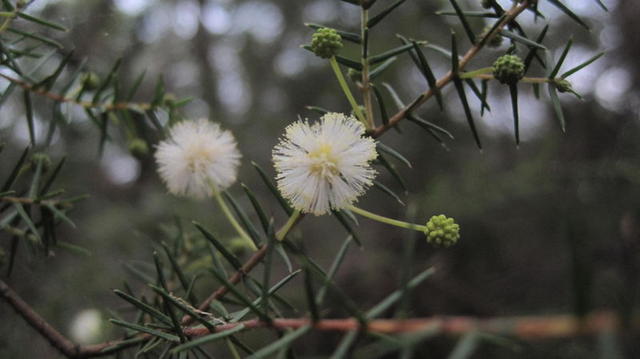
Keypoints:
pixel 347 91
pixel 287 226
pixel 484 76
pixel 366 88
pixel 474 73
pixel 231 218
pixel 393 222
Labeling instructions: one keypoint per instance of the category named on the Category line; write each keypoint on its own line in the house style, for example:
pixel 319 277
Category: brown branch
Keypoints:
pixel 235 278
pixel 55 338
pixel 61 99
pixel 23 200
pixel 510 15
pixel 524 327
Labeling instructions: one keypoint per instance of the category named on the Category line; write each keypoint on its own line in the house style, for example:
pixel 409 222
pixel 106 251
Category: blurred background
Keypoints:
pixel 550 226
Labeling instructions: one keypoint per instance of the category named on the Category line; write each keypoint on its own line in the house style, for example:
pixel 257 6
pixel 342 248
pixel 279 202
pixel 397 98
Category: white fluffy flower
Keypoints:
pixel 325 165
pixel 196 155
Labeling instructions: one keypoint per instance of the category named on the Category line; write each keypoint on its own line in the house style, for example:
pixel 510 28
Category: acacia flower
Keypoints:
pixel 325 165
pixel 197 159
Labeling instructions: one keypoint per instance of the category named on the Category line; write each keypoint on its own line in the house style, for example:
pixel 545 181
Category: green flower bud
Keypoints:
pixel 495 41
pixel 563 85
pixel 508 69
pixel 43 158
pixel 326 42
pixel 91 81
pixel 442 230
pixel 138 147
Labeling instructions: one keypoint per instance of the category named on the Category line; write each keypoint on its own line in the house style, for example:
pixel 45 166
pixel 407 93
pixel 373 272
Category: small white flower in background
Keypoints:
pixel 325 165
pixel 87 327
pixel 196 155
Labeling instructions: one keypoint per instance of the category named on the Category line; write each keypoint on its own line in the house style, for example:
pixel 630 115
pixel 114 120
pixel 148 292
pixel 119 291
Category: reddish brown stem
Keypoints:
pixel 235 278
pixel 59 98
pixel 55 338
pixel 524 327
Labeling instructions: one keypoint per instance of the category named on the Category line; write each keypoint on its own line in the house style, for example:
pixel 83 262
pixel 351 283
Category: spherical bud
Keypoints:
pixel 90 81
pixel 508 69
pixel 43 158
pixel 495 41
pixel 563 85
pixel 442 230
pixel 138 147
pixel 326 42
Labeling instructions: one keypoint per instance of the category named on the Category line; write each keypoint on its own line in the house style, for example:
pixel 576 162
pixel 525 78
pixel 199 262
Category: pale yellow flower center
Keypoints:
pixel 198 158
pixel 324 162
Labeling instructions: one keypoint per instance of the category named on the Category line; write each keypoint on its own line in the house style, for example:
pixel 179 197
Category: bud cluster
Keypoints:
pixel 326 42
pixel 508 69
pixel 442 230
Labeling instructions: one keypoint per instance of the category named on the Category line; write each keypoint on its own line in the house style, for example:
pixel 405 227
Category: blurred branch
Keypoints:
pixel 508 17
pixel 524 327
pixel 86 104
pixel 54 337
pixel 24 200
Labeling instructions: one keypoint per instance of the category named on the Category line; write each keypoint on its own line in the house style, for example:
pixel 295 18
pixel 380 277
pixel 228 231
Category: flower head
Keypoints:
pixel 326 42
pixel 325 165
pixel 196 156
pixel 508 69
pixel 442 230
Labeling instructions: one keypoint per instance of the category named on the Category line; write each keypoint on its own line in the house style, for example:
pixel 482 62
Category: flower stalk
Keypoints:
pixel 227 212
pixel 386 220
pixel 282 233
pixel 347 92
pixel 439 230
pixel 366 87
